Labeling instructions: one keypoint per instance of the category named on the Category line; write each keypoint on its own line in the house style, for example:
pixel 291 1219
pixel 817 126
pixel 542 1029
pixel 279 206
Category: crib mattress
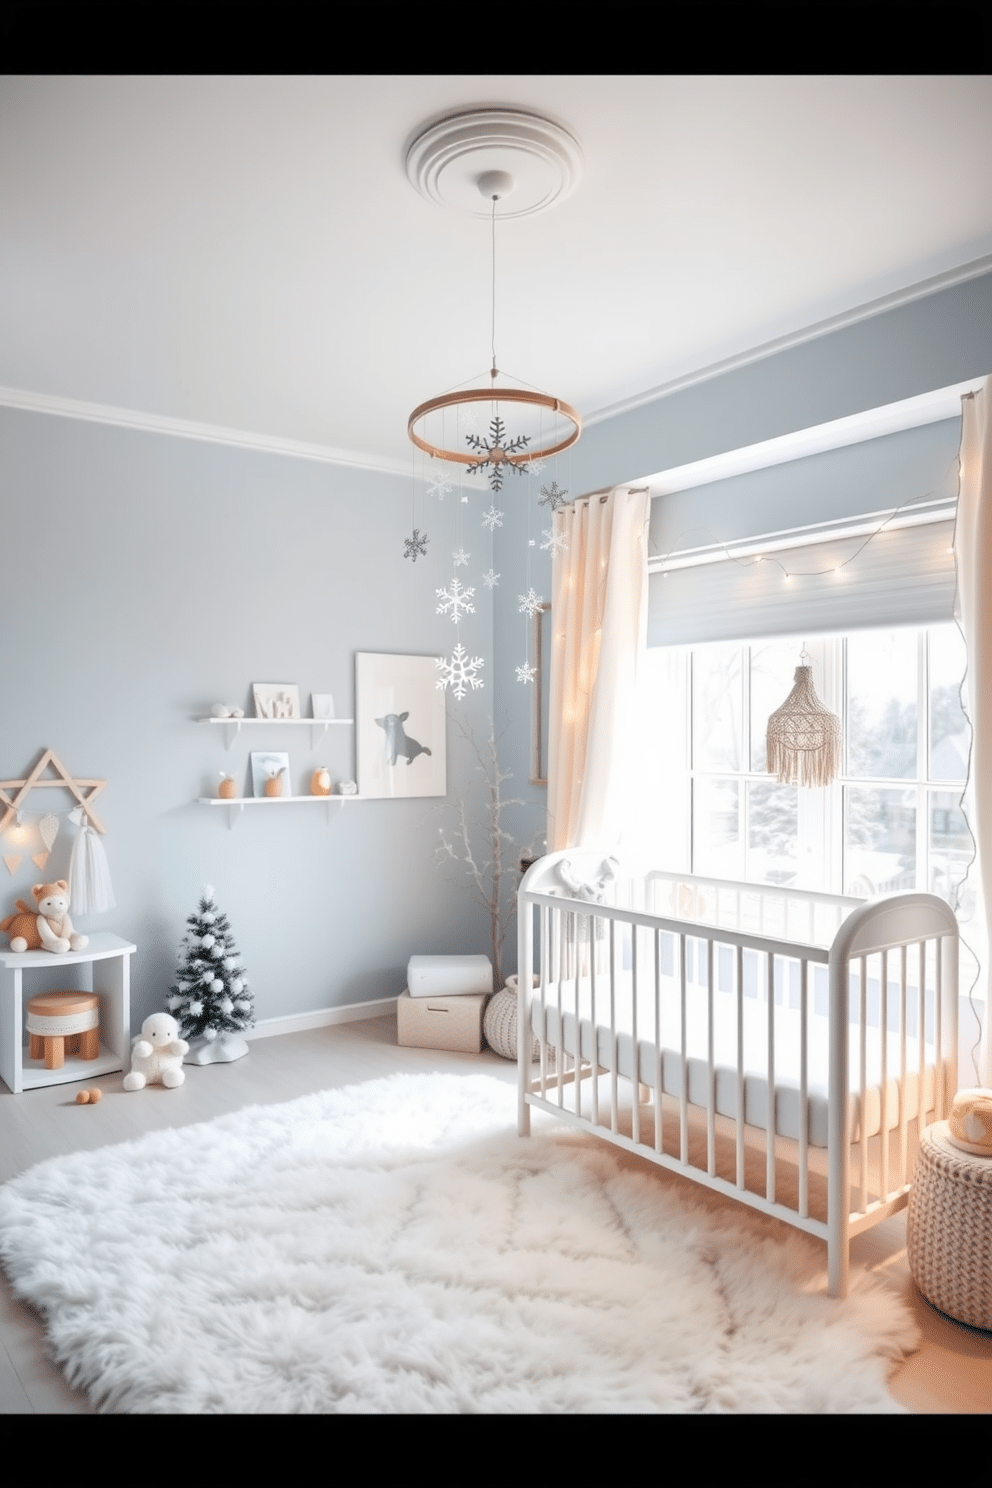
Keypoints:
pixel 659 1059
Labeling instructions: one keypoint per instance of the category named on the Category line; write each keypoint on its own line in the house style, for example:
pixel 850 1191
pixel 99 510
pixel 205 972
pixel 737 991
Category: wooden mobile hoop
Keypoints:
pixel 495 395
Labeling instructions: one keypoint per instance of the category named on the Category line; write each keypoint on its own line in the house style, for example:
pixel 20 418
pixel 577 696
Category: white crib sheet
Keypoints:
pixel 755 1061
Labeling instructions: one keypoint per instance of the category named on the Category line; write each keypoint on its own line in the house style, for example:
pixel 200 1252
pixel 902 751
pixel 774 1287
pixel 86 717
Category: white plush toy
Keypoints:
pixel 157 1054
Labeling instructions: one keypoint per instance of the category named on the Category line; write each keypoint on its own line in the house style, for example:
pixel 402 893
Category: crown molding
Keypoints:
pixel 947 280
pixel 155 423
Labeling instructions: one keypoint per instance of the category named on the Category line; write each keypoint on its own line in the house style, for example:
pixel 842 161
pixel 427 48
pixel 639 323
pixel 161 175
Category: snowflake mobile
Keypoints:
pixel 492 518
pixel 497 452
pixel 530 603
pixel 459 672
pixel 415 544
pixel 556 543
pixel 525 673
pixel 461 558
pixel 455 601
pixel 552 496
pixel 490 579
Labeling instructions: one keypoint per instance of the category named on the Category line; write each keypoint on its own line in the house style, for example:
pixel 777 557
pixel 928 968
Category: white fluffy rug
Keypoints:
pixel 395 1247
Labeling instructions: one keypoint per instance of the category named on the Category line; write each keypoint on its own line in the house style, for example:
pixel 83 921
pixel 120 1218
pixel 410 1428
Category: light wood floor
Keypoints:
pixel 951 1372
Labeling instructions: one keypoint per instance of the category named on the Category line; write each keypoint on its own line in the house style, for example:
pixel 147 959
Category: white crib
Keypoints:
pixel 827 1023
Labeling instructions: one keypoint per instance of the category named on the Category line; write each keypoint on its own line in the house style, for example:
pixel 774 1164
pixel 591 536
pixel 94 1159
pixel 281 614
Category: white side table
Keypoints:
pixel 110 959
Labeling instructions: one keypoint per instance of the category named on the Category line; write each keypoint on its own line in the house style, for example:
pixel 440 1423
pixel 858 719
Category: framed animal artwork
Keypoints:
pixel 400 726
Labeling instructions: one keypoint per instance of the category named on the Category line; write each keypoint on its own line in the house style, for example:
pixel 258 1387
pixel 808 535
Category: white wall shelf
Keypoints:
pixel 237 805
pixel 233 726
pixel 109 956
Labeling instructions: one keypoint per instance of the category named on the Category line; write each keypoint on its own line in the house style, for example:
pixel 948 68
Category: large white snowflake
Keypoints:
pixel 461 558
pixel 525 673
pixel 556 542
pixel 492 518
pixel 490 579
pixel 455 601
pixel 530 603
pixel 459 672
pixel 439 486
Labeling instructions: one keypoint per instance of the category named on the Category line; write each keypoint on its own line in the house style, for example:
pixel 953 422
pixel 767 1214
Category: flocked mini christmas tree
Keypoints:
pixel 210 997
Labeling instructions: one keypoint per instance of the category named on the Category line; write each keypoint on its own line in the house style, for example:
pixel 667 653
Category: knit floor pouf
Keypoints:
pixel 949 1228
pixel 500 1023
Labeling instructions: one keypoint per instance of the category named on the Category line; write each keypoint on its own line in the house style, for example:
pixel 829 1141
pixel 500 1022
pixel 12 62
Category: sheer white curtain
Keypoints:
pixel 973 558
pixel 599 633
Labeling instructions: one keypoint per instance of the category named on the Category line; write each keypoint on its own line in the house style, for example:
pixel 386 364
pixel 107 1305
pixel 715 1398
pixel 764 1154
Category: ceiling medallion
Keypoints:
pixel 446 159
pixel 469 162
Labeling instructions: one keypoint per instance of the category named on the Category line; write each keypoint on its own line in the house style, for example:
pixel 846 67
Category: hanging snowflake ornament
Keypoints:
pixel 534 467
pixel 461 558
pixel 556 542
pixel 455 601
pixel 526 673
pixel 415 544
pixel 530 603
pixel 552 496
pixel 439 485
pixel 492 518
pixel 490 579
pixel 497 452
pixel 459 672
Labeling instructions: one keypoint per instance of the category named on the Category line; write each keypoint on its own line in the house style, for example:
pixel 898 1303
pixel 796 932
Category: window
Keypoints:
pixel 891 821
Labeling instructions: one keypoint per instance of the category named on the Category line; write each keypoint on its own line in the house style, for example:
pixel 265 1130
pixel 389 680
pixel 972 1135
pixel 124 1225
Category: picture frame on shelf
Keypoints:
pixel 276 700
pixel 400 724
pixel 268 764
pixel 322 705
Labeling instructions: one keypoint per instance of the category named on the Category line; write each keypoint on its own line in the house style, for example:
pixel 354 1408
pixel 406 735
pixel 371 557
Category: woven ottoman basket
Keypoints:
pixel 949 1228
pixel 500 1024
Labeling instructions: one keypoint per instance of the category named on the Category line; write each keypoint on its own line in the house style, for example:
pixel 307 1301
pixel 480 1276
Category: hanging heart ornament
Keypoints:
pixel 49 829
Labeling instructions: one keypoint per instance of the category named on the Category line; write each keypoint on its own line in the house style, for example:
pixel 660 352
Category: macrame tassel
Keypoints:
pixel 90 889
pixel 804 742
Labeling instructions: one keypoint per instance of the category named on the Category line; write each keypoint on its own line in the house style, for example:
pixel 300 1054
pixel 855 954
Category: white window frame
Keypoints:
pixel 821 826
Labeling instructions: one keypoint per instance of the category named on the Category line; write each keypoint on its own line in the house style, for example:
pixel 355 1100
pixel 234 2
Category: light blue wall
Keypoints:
pixel 937 341
pixel 147 577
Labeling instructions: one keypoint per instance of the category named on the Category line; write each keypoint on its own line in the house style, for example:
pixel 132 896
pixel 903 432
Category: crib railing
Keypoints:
pixel 620 985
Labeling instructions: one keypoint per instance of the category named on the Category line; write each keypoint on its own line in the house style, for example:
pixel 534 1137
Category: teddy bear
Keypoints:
pixel 157 1054
pixel 47 927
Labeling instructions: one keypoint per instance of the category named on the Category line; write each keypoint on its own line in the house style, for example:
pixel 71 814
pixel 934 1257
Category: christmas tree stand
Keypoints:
pixel 222 1050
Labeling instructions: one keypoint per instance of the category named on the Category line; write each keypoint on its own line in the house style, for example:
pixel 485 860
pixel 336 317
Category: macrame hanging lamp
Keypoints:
pixel 804 743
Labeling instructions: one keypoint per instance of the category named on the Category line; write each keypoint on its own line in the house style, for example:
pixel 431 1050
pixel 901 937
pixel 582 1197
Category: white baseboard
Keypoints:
pixel 351 1012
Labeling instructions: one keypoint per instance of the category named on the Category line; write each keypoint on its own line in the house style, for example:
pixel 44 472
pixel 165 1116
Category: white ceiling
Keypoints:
pixel 248 251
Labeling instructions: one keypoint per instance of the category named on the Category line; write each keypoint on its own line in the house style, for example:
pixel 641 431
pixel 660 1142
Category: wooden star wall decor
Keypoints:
pixel 50 760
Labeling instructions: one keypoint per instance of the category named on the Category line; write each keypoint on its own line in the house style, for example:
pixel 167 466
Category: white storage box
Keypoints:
pixel 448 976
pixel 441 1022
